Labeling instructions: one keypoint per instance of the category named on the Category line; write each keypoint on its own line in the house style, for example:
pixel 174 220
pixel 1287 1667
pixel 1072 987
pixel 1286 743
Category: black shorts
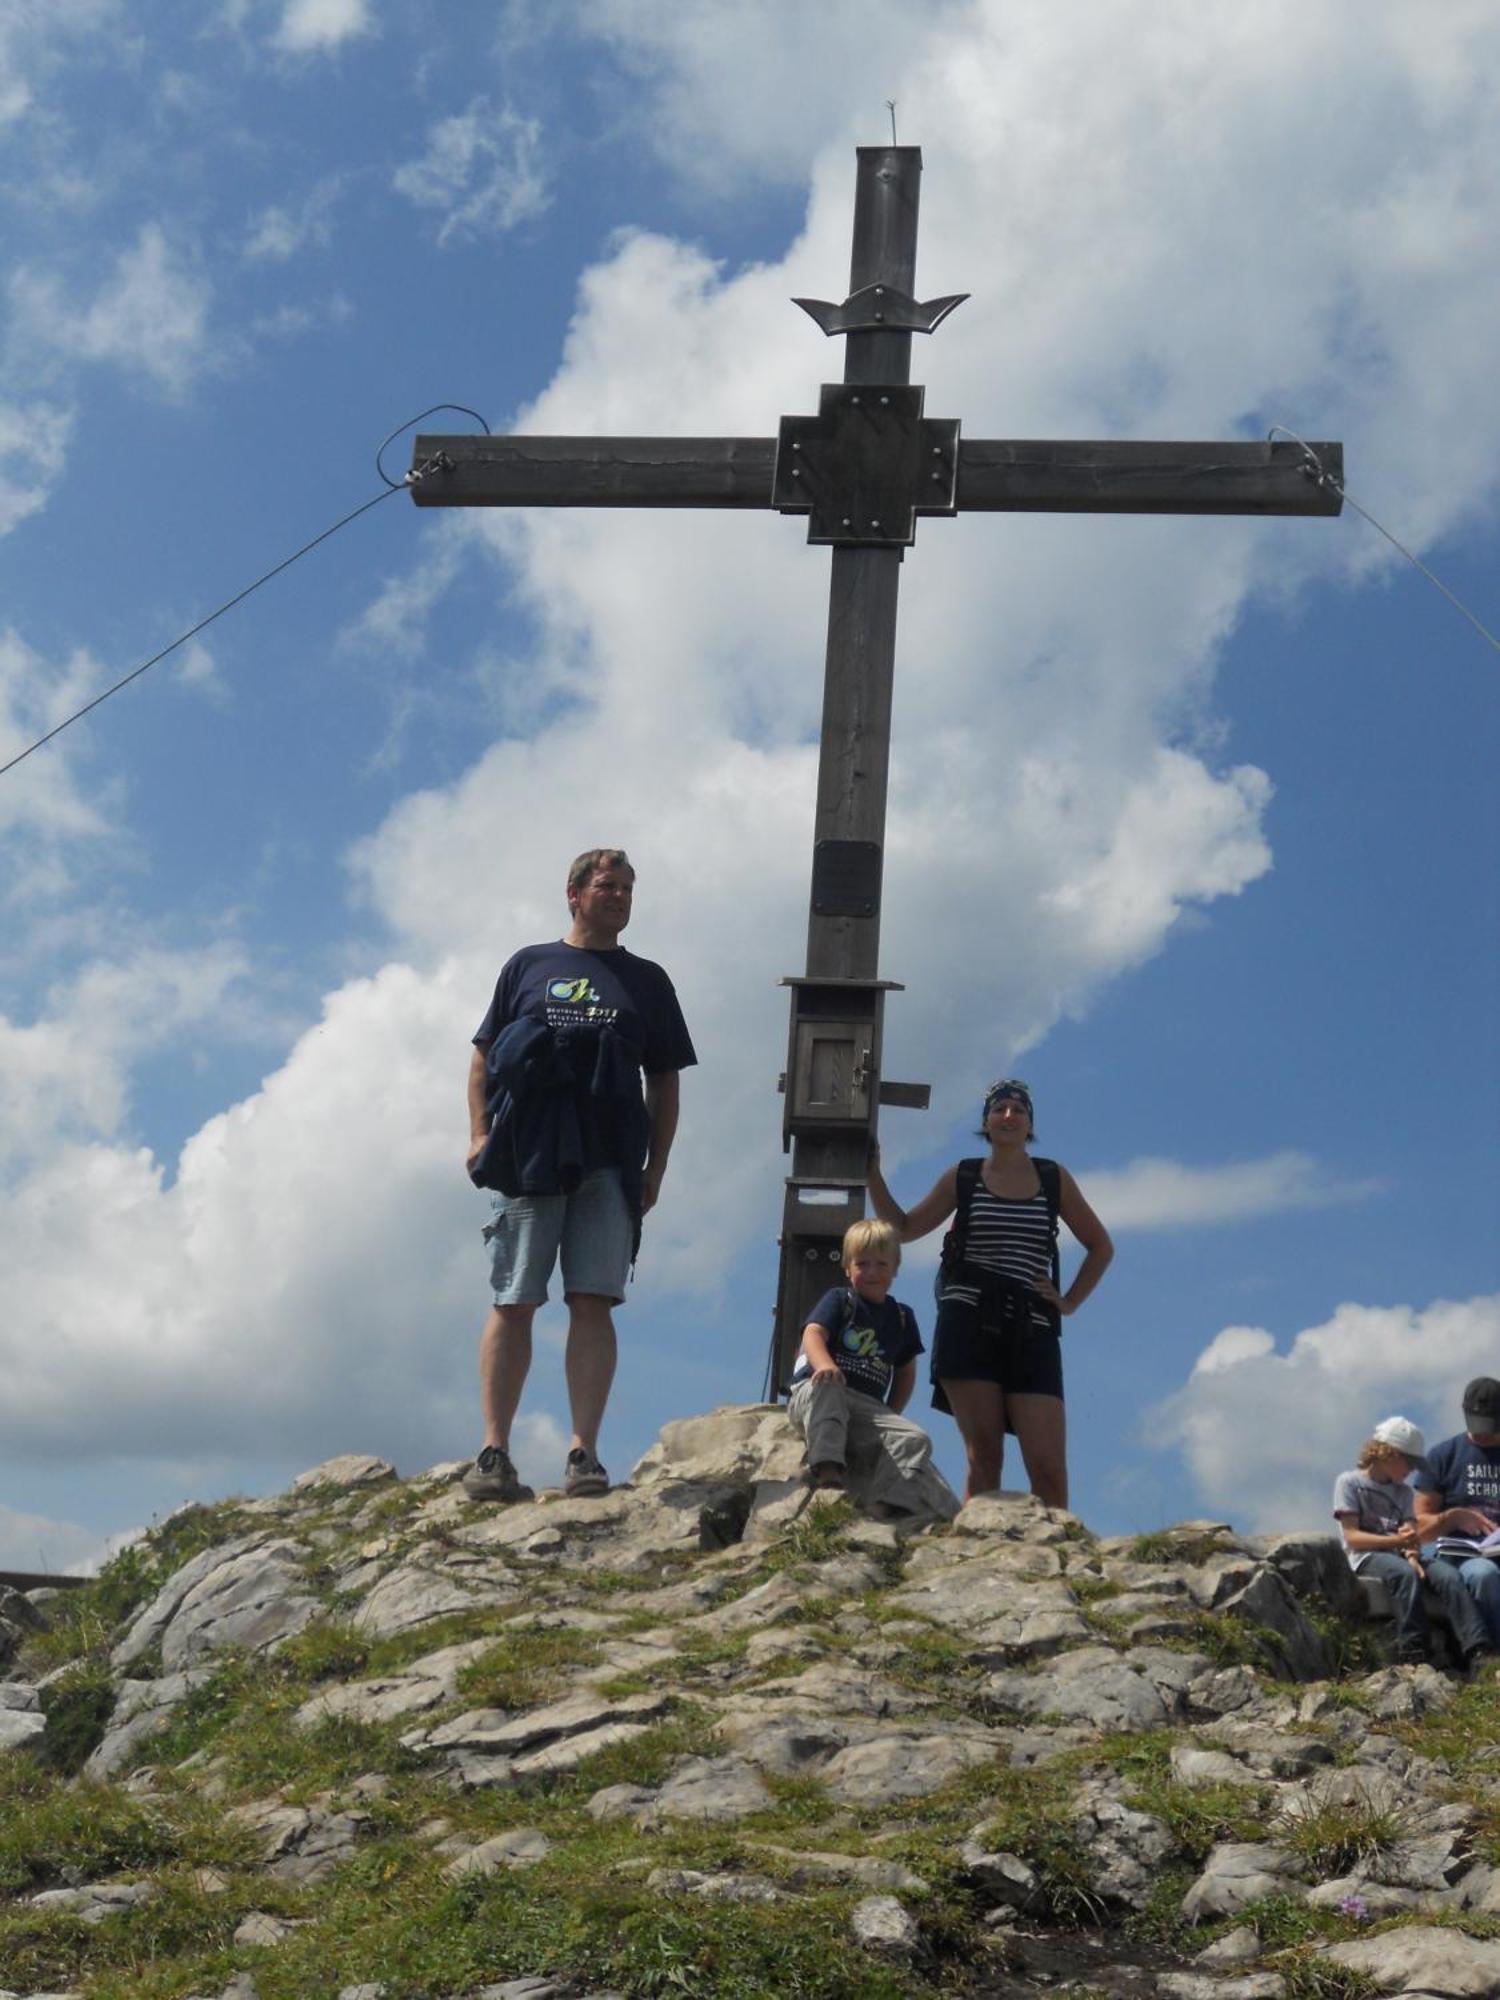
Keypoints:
pixel 1023 1359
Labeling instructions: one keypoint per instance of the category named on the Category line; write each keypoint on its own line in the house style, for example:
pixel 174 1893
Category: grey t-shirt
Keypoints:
pixel 1378 1506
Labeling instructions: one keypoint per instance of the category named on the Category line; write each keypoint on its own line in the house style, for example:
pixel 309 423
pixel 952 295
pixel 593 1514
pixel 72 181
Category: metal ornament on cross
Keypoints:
pixel 862 470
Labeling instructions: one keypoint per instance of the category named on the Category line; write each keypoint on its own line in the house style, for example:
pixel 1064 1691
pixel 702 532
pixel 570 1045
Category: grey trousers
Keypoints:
pixel 885 1453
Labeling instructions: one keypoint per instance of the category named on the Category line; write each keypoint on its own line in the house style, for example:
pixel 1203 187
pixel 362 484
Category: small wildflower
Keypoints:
pixel 1353 1907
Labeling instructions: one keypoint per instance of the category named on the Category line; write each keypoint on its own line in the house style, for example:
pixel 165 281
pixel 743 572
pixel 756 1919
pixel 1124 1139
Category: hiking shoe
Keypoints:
pixel 585 1476
pixel 493 1477
pixel 827 1476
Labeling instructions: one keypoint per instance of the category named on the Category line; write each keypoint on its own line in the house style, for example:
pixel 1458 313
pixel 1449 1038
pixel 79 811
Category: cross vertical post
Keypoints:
pixel 832 1081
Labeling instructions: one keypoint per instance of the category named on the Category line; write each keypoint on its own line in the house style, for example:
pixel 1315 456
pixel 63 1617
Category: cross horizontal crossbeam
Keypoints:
pixel 1068 476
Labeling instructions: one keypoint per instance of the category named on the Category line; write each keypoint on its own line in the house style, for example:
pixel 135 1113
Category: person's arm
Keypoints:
pixel 662 1099
pixel 815 1347
pixel 911 1223
pixel 479 1117
pixel 1364 1541
pixel 902 1383
pixel 1436 1519
pixel 1092 1234
pixel 1431 1485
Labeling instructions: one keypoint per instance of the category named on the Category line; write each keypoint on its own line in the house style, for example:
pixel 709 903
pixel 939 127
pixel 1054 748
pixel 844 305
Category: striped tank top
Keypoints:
pixel 1008 1234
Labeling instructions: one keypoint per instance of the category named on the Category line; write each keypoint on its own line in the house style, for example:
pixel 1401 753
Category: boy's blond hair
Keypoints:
pixel 871 1234
pixel 1373 1450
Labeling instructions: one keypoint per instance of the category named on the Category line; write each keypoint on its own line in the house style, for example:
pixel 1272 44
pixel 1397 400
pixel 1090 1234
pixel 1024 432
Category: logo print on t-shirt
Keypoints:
pixel 577 992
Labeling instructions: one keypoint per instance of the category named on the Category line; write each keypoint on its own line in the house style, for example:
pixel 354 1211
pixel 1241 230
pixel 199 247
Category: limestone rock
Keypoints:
pixel 150 1623
pixel 252 1598
pixel 1236 1947
pixel 21 1719
pixel 1202 1986
pixel 1192 1767
pixel 415 1594
pixel 728 1888
pixel 1006 1877
pixel 880 1924
pixel 264 1928
pixel 708 1788
pixel 998 1615
pixel 1126 1849
pixel 1237 1873
pixel 517 1847
pixel 1405 1694
pixel 353 1469
pixel 868 1870
pixel 1424 1960
pixel 142 1710
pixel 301 1843
pixel 92 1902
pixel 1091 1685
pixel 425 1684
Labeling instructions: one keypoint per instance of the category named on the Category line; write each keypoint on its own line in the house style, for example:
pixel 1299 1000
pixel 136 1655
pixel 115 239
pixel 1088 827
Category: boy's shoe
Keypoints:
pixel 827 1476
pixel 493 1477
pixel 584 1476
pixel 1482 1664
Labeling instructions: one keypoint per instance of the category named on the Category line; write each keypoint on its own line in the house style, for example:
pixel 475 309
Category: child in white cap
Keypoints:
pixel 1375 1509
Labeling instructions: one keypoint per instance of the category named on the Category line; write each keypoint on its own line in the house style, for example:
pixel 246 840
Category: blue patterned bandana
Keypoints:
pixel 1008 1087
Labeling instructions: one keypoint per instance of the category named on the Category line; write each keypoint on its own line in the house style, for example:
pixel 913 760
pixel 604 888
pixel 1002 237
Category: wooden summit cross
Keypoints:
pixel 863 469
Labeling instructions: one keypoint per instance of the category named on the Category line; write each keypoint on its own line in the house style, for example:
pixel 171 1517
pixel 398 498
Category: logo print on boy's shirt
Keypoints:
pixel 863 1341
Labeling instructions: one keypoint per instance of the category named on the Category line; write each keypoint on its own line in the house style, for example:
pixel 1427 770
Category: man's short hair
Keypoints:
pixel 588 864
pixel 871 1235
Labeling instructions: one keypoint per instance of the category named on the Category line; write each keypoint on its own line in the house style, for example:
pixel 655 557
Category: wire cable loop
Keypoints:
pixel 440 460
pixel 1314 468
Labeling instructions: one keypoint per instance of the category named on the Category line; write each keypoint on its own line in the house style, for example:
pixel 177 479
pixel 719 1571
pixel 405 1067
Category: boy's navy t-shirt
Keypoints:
pixel 1463 1474
pixel 869 1345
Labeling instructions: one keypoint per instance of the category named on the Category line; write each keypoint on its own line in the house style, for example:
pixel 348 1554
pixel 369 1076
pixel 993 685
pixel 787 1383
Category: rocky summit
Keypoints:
pixel 710 1734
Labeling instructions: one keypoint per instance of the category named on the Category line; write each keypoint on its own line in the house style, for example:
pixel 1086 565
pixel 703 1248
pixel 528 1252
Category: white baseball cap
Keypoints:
pixel 1402 1435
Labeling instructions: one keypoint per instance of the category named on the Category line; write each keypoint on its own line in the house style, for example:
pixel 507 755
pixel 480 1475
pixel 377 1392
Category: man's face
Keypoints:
pixel 603 903
pixel 1480 1434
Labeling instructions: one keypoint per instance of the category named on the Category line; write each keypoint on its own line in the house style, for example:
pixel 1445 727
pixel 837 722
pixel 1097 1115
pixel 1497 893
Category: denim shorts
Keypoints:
pixel 592 1227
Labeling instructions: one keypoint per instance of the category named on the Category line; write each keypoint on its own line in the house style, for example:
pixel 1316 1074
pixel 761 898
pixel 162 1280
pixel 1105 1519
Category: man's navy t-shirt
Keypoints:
pixel 868 1346
pixel 568 987
pixel 1463 1474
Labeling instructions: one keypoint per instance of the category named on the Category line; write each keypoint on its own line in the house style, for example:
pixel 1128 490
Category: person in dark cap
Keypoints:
pixel 996 1348
pixel 1458 1493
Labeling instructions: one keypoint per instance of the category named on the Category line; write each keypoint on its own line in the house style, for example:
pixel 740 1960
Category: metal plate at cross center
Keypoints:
pixel 846 878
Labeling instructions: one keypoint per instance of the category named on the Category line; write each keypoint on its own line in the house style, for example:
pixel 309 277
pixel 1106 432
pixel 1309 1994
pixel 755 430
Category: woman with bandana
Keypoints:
pixel 996 1350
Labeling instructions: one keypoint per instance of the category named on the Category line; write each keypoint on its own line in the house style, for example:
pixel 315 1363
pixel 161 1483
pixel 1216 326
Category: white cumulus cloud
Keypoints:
pixel 150 314
pixel 482 171
pixel 309 27
pixel 1167 1194
pixel 33 446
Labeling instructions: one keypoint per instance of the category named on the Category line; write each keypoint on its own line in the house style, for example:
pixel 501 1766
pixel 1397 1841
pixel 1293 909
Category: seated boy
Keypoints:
pixel 855 1374
pixel 1375 1508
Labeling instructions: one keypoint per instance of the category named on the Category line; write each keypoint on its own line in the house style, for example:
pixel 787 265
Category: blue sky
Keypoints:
pixel 1192 824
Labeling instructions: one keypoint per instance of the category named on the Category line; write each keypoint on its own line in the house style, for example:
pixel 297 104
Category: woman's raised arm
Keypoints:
pixel 921 1220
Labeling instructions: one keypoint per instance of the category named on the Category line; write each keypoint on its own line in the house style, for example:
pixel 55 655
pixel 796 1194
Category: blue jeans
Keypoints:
pixel 1481 1579
pixel 1413 1632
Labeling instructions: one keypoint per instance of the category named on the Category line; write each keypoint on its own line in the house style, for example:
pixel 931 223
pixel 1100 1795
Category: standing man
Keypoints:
pixel 1458 1493
pixel 561 1129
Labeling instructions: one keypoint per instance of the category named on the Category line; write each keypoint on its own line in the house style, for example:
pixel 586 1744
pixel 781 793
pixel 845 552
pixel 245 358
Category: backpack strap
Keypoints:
pixel 1051 1179
pixel 956 1242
